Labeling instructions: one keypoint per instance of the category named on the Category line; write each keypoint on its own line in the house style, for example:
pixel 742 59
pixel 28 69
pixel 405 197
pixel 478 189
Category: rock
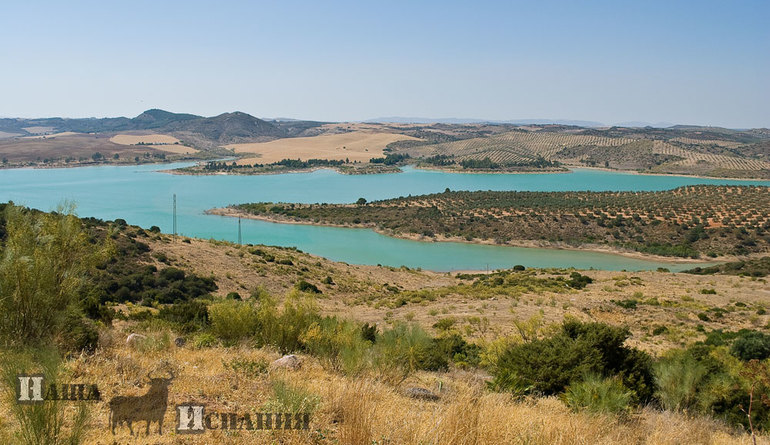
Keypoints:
pixel 420 393
pixel 288 362
pixel 133 339
pixel 179 342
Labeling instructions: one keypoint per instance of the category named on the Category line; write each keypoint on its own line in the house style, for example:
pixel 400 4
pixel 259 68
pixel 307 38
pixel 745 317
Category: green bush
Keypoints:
pixel 578 281
pixel 403 349
pixel 78 333
pixel 247 367
pixel 598 395
pixel 339 344
pixel 46 258
pixel 189 315
pixel 548 365
pixel 55 422
pixel 285 330
pixel 304 286
pixel 291 399
pixel 232 320
pixel 204 340
pixel 454 347
pixel 751 346
pixel 678 378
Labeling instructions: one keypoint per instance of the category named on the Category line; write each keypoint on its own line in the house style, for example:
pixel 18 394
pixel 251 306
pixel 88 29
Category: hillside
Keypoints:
pixel 386 355
pixel 677 150
pixel 493 147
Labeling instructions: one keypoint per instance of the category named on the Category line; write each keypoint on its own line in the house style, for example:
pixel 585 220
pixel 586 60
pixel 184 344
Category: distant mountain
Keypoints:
pixel 226 128
pixel 203 131
pixel 159 118
pixel 425 120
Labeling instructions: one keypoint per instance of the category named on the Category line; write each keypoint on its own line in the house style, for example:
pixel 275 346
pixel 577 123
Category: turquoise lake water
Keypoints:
pixel 142 195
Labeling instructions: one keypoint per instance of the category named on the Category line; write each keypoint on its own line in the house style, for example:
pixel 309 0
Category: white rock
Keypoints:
pixel 288 361
pixel 133 339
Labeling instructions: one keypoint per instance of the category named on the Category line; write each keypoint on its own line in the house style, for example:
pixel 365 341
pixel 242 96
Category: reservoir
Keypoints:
pixel 142 195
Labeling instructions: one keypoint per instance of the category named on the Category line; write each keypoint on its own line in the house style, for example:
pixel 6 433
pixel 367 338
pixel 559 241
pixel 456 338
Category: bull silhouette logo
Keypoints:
pixel 149 407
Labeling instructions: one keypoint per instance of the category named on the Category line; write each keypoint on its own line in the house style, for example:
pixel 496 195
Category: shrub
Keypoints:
pixel 548 365
pixel 44 270
pixel 284 331
pixel 453 347
pixel 402 350
pixel 339 344
pixel 190 315
pixel 444 324
pixel 247 367
pixel 291 399
pixel 626 304
pixel 369 332
pixel 233 320
pixel 752 345
pixel 46 423
pixel 79 333
pixel 578 281
pixel 204 340
pixel 304 286
pixel 598 395
pixel 678 378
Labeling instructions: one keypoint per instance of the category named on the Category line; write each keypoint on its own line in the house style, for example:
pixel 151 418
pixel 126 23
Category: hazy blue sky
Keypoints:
pixel 699 62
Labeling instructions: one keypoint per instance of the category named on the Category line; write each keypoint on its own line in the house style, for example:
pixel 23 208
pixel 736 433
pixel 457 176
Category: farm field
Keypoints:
pixel 628 150
pixel 72 149
pixel 689 221
pixel 355 146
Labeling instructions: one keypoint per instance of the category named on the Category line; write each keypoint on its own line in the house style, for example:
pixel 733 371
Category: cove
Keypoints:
pixel 142 195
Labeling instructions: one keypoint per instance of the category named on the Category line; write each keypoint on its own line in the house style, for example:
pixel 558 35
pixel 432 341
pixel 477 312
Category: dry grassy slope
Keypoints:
pixel 367 409
pixel 57 148
pixel 353 411
pixel 359 289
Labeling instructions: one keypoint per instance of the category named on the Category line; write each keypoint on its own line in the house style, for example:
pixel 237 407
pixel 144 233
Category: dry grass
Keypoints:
pixel 356 146
pixel 52 135
pixel 148 139
pixel 364 410
pixel 79 145
pixel 673 300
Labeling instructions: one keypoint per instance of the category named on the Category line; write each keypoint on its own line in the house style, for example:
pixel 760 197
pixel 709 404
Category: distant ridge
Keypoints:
pixel 205 131
pixel 425 120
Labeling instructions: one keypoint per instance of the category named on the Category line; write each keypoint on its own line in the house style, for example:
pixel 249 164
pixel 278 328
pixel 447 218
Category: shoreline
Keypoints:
pixel 680 175
pixel 179 171
pixel 490 172
pixel 596 248
pixel 176 171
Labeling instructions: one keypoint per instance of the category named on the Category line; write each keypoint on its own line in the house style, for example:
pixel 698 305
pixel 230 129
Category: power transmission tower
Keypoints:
pixel 240 240
pixel 174 216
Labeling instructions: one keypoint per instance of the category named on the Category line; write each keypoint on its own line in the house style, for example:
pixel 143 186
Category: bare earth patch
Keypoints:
pixel 49 136
pixel 148 139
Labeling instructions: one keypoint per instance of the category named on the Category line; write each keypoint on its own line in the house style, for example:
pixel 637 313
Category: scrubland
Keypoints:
pixel 388 355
